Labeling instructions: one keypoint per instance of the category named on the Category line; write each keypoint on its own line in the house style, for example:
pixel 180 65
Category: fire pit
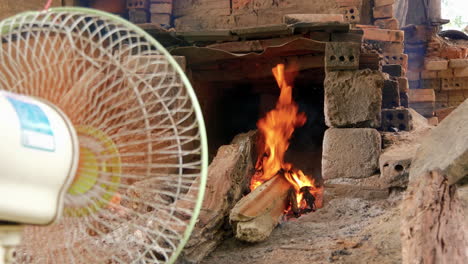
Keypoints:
pixel 287 191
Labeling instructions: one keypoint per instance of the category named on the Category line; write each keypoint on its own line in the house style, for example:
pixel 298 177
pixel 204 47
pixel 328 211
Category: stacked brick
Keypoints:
pixel 355 11
pixel 137 11
pixel 352 107
pixel 150 11
pixel 385 38
pixel 383 14
pixel 161 12
pixel 438 74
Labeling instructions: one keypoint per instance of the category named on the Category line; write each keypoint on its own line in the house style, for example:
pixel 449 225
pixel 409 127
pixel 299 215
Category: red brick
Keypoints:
pixel 436 65
pixel 460 72
pixel 449 84
pixel 421 95
pixel 389 23
pixel 383 11
pixel 164 19
pixel 445 73
pixel 348 3
pixel 403 84
pixel 384 34
pixel 433 121
pixel 428 74
pixel 161 8
pixel 383 2
pixel 458 63
pixel 452 52
pixel 443 113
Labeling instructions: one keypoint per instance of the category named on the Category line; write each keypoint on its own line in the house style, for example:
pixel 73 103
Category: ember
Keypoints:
pixel 276 129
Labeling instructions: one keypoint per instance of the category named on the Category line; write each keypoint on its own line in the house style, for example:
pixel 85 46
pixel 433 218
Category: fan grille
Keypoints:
pixel 142 166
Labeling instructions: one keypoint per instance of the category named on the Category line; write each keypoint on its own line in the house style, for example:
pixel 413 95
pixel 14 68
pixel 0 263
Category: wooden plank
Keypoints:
pixel 212 35
pixel 252 45
pixel 267 31
pixel 330 27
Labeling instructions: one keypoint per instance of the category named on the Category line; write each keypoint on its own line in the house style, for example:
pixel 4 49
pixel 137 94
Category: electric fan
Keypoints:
pixel 97 116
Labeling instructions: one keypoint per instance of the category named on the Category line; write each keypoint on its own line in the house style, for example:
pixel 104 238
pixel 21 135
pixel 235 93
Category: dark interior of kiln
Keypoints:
pixel 240 105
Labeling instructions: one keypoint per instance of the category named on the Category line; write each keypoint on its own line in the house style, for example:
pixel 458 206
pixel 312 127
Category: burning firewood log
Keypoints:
pixel 257 214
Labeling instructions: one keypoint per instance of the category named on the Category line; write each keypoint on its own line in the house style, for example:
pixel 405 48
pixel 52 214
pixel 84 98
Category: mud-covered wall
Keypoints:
pixel 12 7
pixel 225 14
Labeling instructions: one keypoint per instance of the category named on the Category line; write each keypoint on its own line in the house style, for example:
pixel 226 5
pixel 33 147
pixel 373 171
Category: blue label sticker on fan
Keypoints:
pixel 36 131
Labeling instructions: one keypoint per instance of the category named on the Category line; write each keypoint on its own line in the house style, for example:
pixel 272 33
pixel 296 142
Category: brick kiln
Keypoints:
pixel 356 73
pixel 353 82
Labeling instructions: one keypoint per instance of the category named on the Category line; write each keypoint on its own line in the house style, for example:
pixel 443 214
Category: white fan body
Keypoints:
pixel 38 159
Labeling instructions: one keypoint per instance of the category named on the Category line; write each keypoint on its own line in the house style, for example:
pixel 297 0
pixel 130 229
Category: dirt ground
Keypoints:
pixel 354 226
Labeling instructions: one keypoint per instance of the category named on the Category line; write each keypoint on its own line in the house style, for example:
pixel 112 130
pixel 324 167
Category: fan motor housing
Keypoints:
pixel 39 154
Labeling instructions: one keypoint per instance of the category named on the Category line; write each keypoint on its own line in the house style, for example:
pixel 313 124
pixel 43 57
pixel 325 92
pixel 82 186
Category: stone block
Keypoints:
pixel 393 70
pixel 161 8
pixel 384 35
pixel 390 94
pixel 383 11
pixel 394 120
pixel 138 16
pixel 342 55
pixel 454 84
pixel 161 19
pixel 436 65
pixel 295 18
pixel 446 148
pixel 353 98
pixel 350 153
pixel 388 23
pixel 403 84
pixel 458 63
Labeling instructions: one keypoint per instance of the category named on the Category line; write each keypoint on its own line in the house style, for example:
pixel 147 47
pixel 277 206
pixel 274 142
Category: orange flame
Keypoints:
pixel 276 129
